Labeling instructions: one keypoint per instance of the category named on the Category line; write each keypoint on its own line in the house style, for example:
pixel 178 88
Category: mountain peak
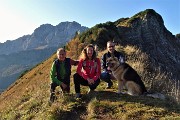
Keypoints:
pixel 148 11
pixel 68 23
pixel 145 15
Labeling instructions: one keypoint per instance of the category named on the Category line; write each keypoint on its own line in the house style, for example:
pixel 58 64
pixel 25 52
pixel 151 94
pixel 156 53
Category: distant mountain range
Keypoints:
pixel 45 36
pixel 23 53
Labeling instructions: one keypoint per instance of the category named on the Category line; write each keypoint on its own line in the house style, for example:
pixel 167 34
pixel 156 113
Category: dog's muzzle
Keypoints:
pixel 109 64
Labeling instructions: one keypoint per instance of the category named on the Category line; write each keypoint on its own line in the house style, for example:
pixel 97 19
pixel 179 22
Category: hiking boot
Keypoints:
pixel 52 97
pixel 78 95
pixel 109 85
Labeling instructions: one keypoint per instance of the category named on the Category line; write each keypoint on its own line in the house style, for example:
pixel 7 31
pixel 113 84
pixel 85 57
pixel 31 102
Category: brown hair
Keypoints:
pixel 84 53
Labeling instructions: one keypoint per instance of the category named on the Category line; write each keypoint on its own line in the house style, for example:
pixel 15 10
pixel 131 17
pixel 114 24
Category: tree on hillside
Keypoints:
pixel 178 36
pixel 74 48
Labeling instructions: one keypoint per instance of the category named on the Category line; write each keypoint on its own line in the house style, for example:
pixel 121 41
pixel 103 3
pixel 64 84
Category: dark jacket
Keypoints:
pixel 117 54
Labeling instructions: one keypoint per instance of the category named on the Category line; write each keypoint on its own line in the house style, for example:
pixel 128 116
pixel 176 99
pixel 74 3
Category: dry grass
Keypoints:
pixel 28 97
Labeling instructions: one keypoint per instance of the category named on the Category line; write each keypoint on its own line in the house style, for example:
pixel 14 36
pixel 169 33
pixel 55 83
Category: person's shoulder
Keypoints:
pixel 118 52
pixel 67 58
pixel 56 60
pixel 105 54
pixel 71 59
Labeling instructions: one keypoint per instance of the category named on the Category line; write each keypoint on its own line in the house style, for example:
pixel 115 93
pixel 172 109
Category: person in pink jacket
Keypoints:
pixel 88 70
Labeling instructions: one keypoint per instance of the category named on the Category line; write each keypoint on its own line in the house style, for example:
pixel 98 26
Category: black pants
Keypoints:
pixel 65 81
pixel 78 80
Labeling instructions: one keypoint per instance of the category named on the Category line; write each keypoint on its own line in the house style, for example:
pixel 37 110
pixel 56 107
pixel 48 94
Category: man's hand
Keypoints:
pixel 63 85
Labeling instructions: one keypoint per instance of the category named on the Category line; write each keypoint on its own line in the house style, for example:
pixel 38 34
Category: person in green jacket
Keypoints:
pixel 60 73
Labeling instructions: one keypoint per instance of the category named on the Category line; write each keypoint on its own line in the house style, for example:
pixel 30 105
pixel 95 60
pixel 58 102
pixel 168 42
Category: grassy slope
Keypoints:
pixel 28 99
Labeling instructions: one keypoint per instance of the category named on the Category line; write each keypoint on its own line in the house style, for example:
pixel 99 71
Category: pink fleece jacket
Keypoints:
pixel 89 69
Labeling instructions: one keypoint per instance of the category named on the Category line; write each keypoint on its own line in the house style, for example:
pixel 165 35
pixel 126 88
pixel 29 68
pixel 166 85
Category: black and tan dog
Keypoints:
pixel 127 77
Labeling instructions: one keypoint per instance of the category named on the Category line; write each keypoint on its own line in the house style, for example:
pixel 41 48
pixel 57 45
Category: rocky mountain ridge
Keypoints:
pixel 44 36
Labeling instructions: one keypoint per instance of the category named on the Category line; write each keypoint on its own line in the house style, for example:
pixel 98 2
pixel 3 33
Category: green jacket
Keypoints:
pixel 55 71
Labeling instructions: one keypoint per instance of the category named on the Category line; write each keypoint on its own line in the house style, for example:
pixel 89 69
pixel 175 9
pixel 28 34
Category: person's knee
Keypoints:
pixel 97 82
pixel 104 76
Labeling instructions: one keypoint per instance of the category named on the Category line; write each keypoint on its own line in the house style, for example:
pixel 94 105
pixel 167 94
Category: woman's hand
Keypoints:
pixel 90 81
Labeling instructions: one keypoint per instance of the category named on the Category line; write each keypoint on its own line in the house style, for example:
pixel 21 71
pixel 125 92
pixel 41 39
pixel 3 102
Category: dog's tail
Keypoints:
pixel 156 95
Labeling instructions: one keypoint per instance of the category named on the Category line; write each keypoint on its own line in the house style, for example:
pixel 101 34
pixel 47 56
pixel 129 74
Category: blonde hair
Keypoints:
pixel 84 53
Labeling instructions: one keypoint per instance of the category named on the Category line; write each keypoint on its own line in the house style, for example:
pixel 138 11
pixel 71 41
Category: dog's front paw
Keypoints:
pixel 118 92
pixel 123 92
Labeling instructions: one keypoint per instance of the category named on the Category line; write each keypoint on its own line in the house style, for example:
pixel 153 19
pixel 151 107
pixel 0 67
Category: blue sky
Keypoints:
pixel 22 17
